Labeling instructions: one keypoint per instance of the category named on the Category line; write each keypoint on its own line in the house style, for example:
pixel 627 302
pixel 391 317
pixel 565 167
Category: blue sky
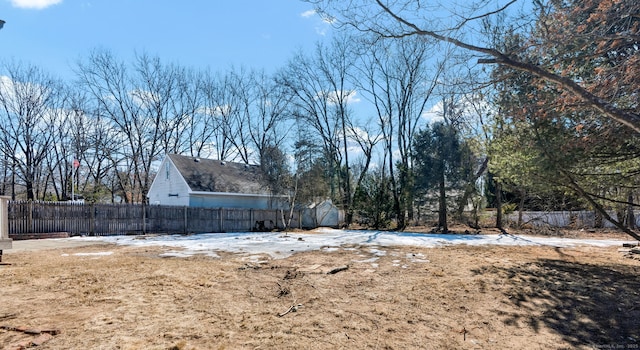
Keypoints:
pixel 54 34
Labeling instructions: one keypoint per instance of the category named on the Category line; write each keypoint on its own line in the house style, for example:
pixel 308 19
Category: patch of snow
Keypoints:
pixel 329 250
pixel 329 240
pixel 187 254
pixel 419 258
pixel 90 254
pixel 176 254
pixel 377 252
pixel 257 259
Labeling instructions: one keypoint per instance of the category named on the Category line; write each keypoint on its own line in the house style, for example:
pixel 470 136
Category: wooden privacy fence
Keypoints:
pixel 574 219
pixel 116 219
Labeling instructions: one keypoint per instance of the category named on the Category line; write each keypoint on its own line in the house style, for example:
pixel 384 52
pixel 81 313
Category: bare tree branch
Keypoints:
pixel 631 120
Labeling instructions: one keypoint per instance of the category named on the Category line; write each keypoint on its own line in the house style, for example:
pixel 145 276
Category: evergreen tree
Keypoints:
pixel 442 160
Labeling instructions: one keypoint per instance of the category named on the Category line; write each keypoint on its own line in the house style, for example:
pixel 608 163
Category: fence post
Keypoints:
pixel 144 219
pixel 30 217
pixel 221 213
pixel 5 241
pixel 92 220
pixel 186 229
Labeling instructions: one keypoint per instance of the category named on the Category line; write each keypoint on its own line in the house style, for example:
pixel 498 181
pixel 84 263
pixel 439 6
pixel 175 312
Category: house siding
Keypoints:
pixel 230 201
pixel 169 190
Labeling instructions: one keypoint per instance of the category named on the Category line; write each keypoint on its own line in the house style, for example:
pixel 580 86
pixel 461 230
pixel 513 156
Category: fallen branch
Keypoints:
pixel 30 330
pixel 8 316
pixel 338 269
pixel 293 308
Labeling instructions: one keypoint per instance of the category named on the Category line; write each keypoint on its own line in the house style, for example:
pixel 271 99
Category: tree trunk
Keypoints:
pixel 523 194
pixel 471 186
pixel 631 219
pixel 598 221
pixel 13 181
pixel 397 207
pixel 442 207
pixel 499 206
pixel 292 204
pixel 29 188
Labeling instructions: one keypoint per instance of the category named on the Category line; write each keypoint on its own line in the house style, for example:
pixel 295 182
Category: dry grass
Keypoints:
pixel 409 298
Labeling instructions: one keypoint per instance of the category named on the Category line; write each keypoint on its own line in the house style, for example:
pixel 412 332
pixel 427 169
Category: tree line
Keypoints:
pixel 563 77
pixel 544 114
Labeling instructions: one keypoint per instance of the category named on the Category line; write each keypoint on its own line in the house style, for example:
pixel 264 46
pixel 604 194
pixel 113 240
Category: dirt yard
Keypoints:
pixel 458 297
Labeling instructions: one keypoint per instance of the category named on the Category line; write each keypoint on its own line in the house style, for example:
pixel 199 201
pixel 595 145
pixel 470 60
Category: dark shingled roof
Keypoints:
pixel 209 175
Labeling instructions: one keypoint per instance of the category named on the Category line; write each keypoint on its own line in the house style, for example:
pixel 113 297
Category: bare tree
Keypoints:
pixel 269 114
pixel 210 138
pixel 399 77
pixel 183 102
pixel 366 137
pixel 322 91
pixel 59 160
pixel 466 106
pixel 87 155
pixel 135 107
pixel 29 98
pixel 227 103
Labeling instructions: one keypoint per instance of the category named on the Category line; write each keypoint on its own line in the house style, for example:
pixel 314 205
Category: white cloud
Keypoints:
pixel 34 4
pixel 470 109
pixel 357 132
pixel 322 31
pixel 351 97
pixel 435 114
pixel 216 111
pixel 6 84
pixel 323 24
pixel 309 13
pixel 333 97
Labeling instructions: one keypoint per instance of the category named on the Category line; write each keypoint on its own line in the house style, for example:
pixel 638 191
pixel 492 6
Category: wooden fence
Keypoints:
pixel 574 219
pixel 28 218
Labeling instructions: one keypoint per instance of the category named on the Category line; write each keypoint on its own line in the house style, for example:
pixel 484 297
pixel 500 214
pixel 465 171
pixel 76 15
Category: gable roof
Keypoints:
pixel 210 175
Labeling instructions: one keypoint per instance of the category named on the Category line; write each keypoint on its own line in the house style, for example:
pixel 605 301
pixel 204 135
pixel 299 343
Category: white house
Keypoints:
pixel 209 183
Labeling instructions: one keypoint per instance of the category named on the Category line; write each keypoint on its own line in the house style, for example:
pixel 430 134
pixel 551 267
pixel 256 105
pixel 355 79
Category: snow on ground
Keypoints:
pixel 91 254
pixel 280 245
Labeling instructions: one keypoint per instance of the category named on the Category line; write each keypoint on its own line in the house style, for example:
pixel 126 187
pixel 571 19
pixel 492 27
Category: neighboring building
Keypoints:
pixel 208 183
pixel 323 214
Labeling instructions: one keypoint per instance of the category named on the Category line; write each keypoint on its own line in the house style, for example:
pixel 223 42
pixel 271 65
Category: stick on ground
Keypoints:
pixel 337 269
pixel 293 308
